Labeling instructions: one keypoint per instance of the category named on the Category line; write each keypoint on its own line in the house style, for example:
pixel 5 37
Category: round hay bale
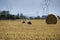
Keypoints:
pixel 29 22
pixel 51 19
pixel 23 21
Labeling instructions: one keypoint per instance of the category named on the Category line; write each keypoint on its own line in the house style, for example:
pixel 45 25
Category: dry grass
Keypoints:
pixel 39 30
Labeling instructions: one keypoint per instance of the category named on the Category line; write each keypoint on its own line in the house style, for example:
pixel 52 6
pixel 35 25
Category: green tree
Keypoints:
pixel 21 16
pixel 18 16
pixel 31 18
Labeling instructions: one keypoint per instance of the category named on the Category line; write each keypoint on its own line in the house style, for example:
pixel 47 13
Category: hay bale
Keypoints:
pixel 51 19
pixel 23 21
pixel 29 22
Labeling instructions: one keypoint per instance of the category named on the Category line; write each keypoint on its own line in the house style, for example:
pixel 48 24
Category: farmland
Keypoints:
pixel 38 30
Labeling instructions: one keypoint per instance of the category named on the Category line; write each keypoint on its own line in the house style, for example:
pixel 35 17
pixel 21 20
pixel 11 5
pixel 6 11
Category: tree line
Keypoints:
pixel 5 15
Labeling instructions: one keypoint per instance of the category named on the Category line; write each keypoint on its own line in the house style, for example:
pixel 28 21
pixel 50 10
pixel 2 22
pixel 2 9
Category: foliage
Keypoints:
pixel 6 15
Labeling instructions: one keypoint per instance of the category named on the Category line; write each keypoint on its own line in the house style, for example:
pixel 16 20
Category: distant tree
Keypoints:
pixel 38 17
pixel 3 17
pixel 4 14
pixel 35 17
pixel 17 16
pixel 21 16
pixel 31 18
pixel 12 17
pixel 24 17
pixel 8 16
pixel 58 17
pixel 44 16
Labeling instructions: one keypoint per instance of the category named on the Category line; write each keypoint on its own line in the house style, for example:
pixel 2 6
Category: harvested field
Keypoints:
pixel 39 30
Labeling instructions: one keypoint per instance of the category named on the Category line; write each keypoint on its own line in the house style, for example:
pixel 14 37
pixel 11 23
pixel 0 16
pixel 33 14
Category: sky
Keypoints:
pixel 30 7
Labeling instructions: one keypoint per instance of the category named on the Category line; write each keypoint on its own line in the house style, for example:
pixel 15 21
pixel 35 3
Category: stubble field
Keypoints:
pixel 38 30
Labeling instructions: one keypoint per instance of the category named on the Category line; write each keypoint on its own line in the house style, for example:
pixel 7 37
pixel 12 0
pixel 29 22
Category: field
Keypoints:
pixel 38 30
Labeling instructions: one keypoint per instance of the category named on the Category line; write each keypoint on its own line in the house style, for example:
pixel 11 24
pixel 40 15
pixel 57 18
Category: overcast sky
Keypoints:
pixel 29 7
